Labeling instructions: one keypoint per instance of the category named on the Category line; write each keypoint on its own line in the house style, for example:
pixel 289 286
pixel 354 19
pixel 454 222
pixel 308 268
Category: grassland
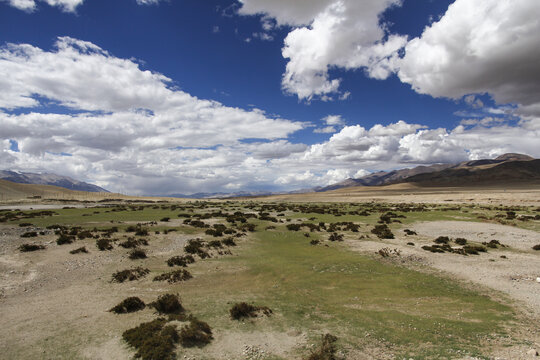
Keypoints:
pixel 376 307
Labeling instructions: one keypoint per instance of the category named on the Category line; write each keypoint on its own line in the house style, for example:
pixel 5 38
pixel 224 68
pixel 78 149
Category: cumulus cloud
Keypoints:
pixel 327 34
pixel 477 47
pixel 30 5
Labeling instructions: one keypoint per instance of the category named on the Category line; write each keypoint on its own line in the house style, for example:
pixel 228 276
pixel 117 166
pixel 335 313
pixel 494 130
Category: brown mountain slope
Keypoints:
pixel 508 172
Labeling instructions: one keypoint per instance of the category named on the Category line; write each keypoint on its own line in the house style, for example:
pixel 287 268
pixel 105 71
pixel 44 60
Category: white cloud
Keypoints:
pixel 477 47
pixel 333 120
pixel 325 130
pixel 329 33
pixel 30 5
pixel 148 2
pixel 132 131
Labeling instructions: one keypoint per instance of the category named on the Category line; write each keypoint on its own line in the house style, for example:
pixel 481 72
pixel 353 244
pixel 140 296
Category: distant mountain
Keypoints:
pixel 49 179
pixel 222 195
pixel 506 172
pixel 448 174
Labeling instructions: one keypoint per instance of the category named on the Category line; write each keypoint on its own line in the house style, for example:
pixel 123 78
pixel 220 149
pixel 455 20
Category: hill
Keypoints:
pixel 49 179
pixel 446 174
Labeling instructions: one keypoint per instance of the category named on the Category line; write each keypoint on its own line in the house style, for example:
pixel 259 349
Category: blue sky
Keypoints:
pixel 262 95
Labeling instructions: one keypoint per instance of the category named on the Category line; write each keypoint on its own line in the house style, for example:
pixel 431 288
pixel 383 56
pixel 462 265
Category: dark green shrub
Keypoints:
pixel 168 304
pixel 31 247
pixel 294 227
pixel 29 234
pixel 84 235
pixel 129 305
pixel 136 254
pixel 65 239
pixel 215 244
pixel 197 333
pixel 153 340
pixel 536 247
pixel 25 224
pixel 174 276
pixel 130 274
pixel 474 249
pixel 336 237
pixel 327 349
pixel 245 310
pixel 314 242
pixel 79 250
pixel 382 232
pixel 410 243
pixel 442 240
pixel 165 219
pixel 141 232
pixel 104 244
pixel 228 241
pixel 410 232
pixel 461 241
pixel 132 243
pixel 181 260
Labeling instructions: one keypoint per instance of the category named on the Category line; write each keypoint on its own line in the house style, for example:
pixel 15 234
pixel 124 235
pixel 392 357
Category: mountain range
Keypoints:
pixel 49 179
pixel 507 168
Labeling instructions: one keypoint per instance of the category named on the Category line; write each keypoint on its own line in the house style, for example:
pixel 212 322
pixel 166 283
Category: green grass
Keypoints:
pixel 349 295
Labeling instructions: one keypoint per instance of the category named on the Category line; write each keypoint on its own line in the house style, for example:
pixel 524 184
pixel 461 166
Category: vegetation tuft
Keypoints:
pixel 327 349
pixel 136 254
pixel 168 304
pixel 130 274
pixel 129 305
pixel 31 247
pixel 79 250
pixel 197 333
pixel 245 310
pixel 153 340
pixel 174 276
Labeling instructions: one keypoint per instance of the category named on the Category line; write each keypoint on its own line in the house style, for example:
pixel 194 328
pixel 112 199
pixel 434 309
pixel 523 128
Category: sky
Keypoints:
pixel 160 97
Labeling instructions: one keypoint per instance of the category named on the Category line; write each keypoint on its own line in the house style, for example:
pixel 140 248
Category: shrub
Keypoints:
pixel 314 242
pixel 245 310
pixel 129 305
pixel 30 247
pixel 141 232
pixel 536 247
pixel 130 274
pixel 228 241
pixel 65 239
pixel 104 244
pixel 79 250
pixel 327 349
pixel 410 243
pixel 153 340
pixel 174 276
pixel 461 241
pixel 136 254
pixel 132 243
pixel 410 232
pixel 442 240
pixel 29 234
pixel 197 333
pixel 181 260
pixel 474 249
pixel 25 224
pixel 382 232
pixel 294 227
pixel 336 237
pixel 165 219
pixel 168 304
pixel 193 246
pixel 215 244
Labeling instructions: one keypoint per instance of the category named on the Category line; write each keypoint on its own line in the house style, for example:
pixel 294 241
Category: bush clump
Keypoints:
pixel 132 243
pixel 474 249
pixel 245 310
pixel 130 274
pixel 129 305
pixel 65 239
pixel 536 247
pixel 136 254
pixel 174 276
pixel 336 237
pixel 30 247
pixel 410 232
pixel 153 340
pixel 181 260
pixel 79 250
pixel 197 333
pixel 461 241
pixel 442 240
pixel 29 234
pixel 382 232
pixel 104 244
pixel 327 349
pixel 168 304
pixel 228 241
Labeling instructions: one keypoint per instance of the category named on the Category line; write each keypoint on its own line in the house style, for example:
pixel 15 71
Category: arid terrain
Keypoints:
pixel 391 272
